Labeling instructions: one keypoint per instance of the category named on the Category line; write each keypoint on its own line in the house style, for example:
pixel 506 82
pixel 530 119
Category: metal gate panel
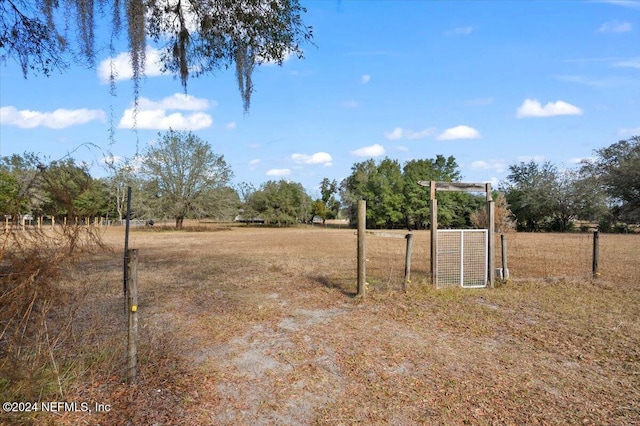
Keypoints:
pixel 461 258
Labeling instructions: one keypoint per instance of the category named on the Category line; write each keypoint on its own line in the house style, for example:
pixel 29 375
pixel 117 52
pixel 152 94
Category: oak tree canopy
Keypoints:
pixel 196 37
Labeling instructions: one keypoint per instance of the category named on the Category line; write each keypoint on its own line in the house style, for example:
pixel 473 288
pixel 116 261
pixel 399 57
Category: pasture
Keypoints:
pixel 257 326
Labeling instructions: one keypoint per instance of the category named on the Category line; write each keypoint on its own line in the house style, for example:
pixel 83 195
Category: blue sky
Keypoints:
pixel 491 83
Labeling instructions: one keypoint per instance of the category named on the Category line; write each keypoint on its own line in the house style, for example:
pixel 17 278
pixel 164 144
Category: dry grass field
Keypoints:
pixel 258 326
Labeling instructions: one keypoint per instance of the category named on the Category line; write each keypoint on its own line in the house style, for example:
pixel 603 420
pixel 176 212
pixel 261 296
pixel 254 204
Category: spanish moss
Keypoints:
pixel 194 37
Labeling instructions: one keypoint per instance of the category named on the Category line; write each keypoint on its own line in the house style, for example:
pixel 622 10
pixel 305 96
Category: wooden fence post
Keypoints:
pixel 491 222
pixel 407 263
pixel 505 268
pixel 132 308
pixel 362 258
pixel 596 254
pixel 433 207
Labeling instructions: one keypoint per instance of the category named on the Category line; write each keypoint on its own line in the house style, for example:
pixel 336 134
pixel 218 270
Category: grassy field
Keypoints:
pixel 260 326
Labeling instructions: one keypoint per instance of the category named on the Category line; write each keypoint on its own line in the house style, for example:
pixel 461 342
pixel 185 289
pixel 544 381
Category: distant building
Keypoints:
pixel 242 219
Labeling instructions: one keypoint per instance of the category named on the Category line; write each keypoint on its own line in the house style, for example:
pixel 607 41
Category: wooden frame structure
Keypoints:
pixel 433 208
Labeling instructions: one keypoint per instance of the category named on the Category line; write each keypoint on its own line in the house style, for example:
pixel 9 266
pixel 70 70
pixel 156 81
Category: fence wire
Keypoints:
pixel 529 256
pixel 542 255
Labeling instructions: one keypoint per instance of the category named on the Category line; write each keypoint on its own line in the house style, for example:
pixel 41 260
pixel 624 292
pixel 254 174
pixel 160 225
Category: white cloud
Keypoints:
pixel 498 165
pixel 615 27
pixel 459 31
pixel 529 158
pixel 399 133
pixel 375 150
pixel 121 66
pixel 459 132
pixel 231 125
pixel 365 79
pixel 155 115
pixel 418 135
pixel 176 101
pixel 533 108
pixel 587 81
pixel 578 160
pixel 317 158
pixel 278 172
pixel 253 163
pixel 633 131
pixel 604 82
pixel 629 63
pixel 159 120
pixel 395 134
pixel 58 119
pixel 631 4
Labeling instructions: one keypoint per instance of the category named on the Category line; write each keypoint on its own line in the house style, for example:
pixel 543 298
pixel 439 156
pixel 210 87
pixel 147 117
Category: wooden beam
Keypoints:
pixel 362 257
pixel 387 234
pixel 407 263
pixel 491 261
pixel 455 186
pixel 433 213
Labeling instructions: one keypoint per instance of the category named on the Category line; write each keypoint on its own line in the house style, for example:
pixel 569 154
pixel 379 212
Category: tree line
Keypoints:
pixel 180 177
pixel 604 190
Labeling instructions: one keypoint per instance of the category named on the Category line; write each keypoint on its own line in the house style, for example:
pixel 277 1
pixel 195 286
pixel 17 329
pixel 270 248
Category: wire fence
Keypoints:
pixel 570 256
pixel 530 256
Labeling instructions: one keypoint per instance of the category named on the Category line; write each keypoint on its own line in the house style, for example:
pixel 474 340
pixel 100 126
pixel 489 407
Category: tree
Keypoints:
pixel 328 189
pixel 326 207
pixel 64 183
pixel 220 203
pixel 416 203
pixel 21 178
pixel 356 187
pixel 394 198
pixel 617 169
pixel 281 203
pixel 543 198
pixel 10 202
pixel 57 188
pixel 318 208
pixel 122 177
pixel 181 170
pixel 196 36
pixel 388 185
pixel 14 186
pixel 380 184
pixel 94 201
pixel 528 191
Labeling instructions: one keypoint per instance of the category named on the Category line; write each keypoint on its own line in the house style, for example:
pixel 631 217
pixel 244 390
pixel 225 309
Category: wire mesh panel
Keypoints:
pixel 461 258
pixel 385 261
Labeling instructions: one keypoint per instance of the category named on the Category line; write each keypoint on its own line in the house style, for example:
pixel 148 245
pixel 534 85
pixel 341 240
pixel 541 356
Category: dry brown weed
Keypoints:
pixel 261 326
